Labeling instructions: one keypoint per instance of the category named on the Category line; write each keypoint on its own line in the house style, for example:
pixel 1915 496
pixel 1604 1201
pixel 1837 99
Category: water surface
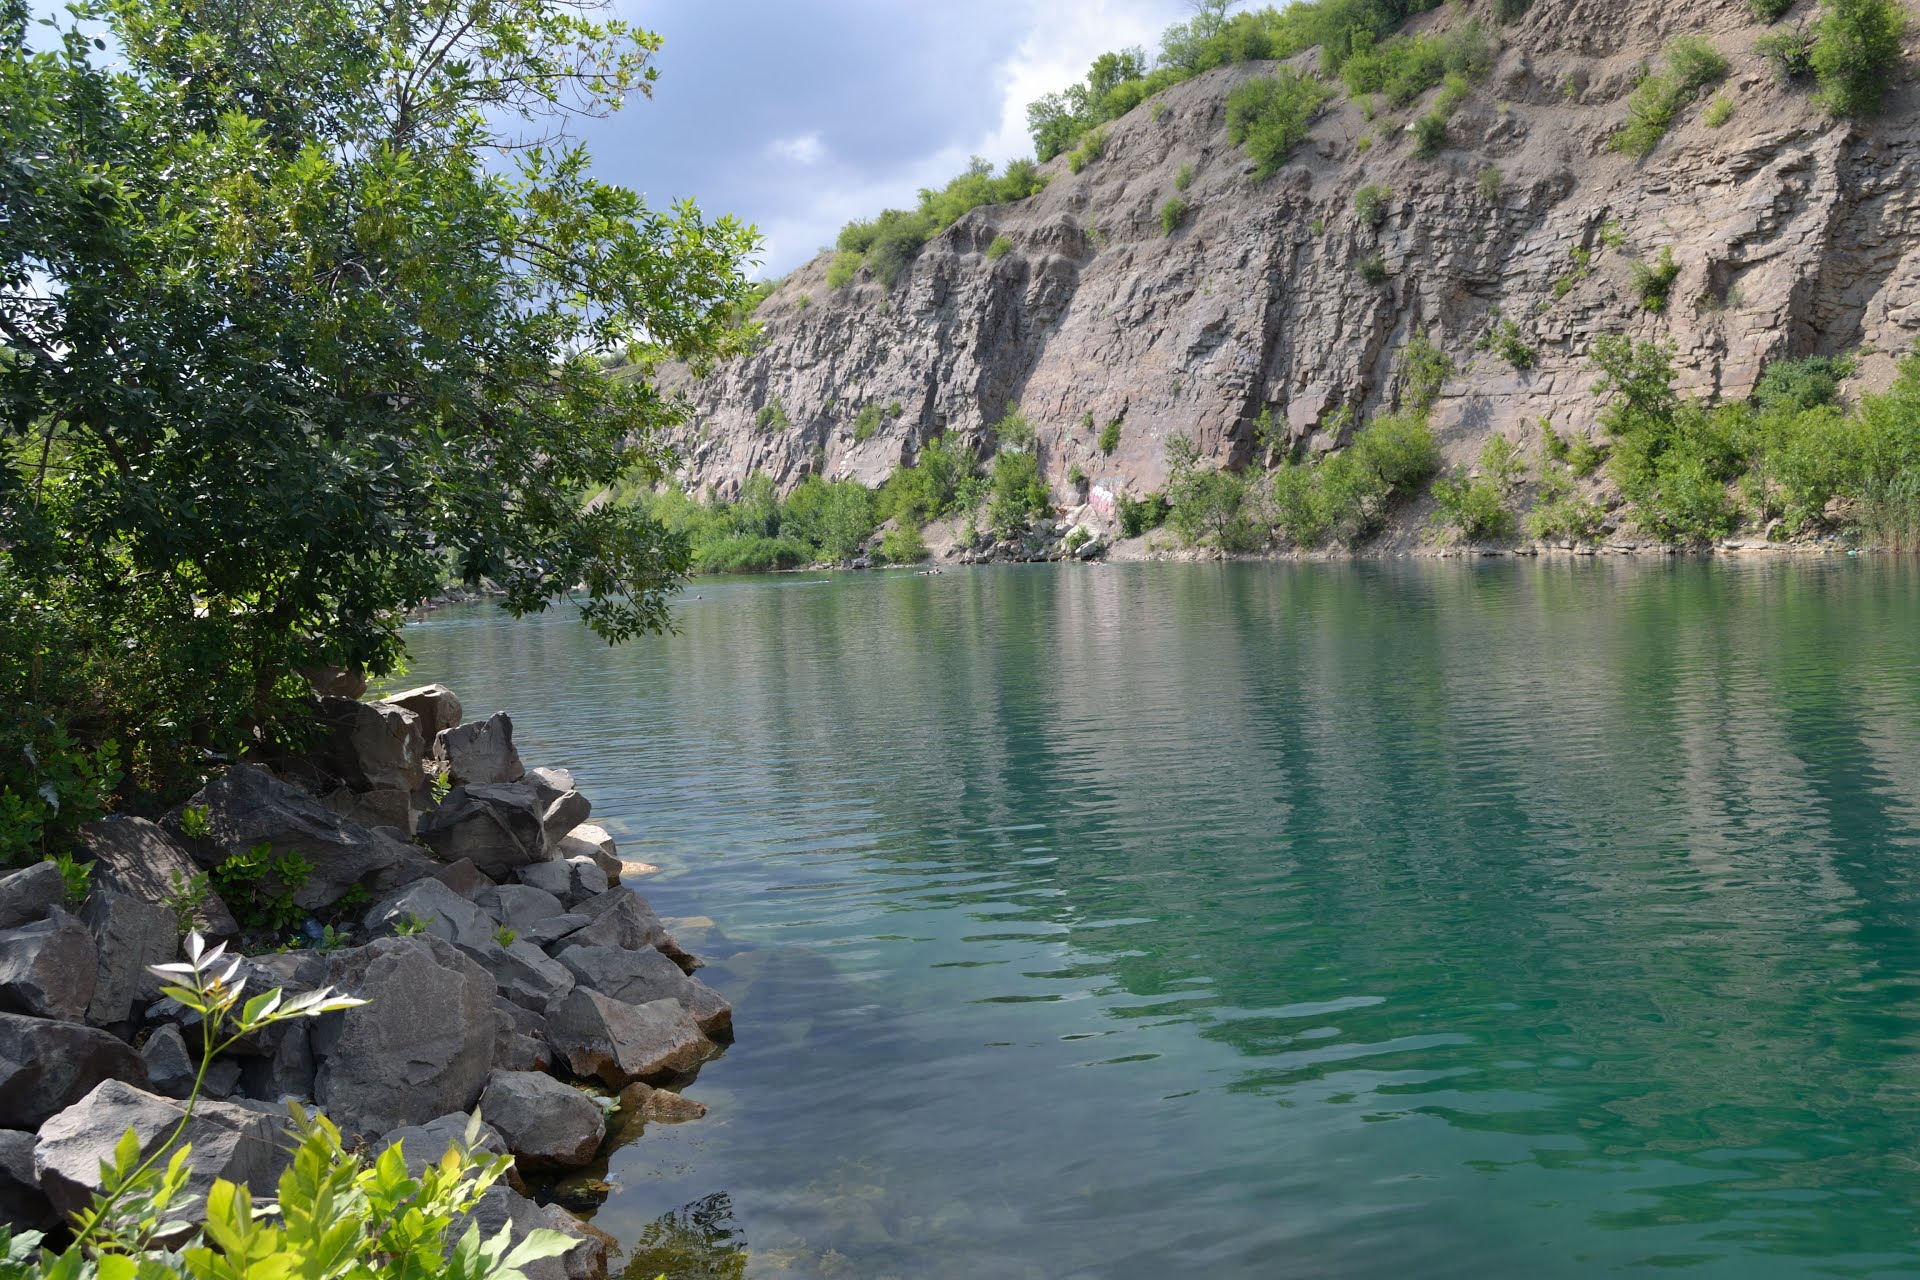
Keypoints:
pixel 1477 920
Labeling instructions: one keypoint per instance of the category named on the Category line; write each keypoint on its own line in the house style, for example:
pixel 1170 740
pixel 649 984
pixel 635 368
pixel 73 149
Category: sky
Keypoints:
pixel 797 117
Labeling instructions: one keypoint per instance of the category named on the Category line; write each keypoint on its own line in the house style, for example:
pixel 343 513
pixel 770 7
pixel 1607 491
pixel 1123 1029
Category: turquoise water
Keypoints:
pixel 1477 920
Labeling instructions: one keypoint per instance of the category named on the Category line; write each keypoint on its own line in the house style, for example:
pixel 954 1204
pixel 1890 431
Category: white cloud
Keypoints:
pixel 802 149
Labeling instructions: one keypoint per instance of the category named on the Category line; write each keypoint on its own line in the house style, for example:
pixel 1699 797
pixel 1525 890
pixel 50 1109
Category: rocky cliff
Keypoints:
pixel 1794 234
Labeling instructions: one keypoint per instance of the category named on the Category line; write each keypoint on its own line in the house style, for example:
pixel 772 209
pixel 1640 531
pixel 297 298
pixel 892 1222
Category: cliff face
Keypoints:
pixel 1794 234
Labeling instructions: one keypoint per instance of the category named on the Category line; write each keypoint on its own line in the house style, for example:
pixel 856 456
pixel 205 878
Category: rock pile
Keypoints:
pixel 504 963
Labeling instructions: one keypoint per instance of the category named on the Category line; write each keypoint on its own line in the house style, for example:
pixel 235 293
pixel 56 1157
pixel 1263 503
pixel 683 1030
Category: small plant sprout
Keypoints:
pixel 410 924
pixel 504 937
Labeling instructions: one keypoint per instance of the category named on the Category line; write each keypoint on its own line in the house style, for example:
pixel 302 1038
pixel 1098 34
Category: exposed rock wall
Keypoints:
pixel 1795 234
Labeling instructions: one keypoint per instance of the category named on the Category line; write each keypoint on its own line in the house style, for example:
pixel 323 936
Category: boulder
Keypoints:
pixel 480 751
pixel 423 1144
pixel 128 935
pixel 435 707
pixel 589 841
pixel 46 1065
pixel 620 918
pixel 523 973
pixel 588 1259
pixel 170 1068
pixel 423 1045
pixel 464 878
pixel 21 1205
pixel 381 808
pixel 515 905
pixel 28 894
pixel 336 682
pixel 285 1073
pixel 371 745
pixel 547 1125
pixel 519 1038
pixel 247 807
pixel 543 932
pixel 48 968
pixel 229 1141
pixel 448 915
pixel 502 1206
pixel 644 1102
pixel 618 1043
pixel 138 858
pixel 562 806
pixel 495 825
pixel 572 881
pixel 643 976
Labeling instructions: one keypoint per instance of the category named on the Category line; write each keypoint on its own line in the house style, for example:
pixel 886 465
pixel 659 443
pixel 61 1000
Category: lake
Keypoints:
pixel 1452 919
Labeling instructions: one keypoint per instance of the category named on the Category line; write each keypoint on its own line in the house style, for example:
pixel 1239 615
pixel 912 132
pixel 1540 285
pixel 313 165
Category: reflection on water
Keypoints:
pixel 1477 920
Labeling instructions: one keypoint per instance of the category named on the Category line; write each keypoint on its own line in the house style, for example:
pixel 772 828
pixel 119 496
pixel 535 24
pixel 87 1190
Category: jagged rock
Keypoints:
pixel 497 826
pixel 21 1205
pixel 48 968
pixel 620 918
pixel 28 894
pixel 423 1045
pixel 642 976
pixel 286 1072
pixel 520 1038
pixel 435 706
pixel 543 933
pixel 138 858
pixel 464 879
pixel 246 807
pixel 229 1141
pixel 589 841
pixel 515 905
pixel 448 915
pixel 372 745
pixel 572 881
pixel 562 806
pixel 480 751
pixel 381 808
pixel 170 1068
pixel 128 935
pixel 547 1125
pixel 336 682
pixel 588 1259
pixel 644 1102
pixel 502 1206
pixel 523 973
pixel 619 1043
pixel 46 1066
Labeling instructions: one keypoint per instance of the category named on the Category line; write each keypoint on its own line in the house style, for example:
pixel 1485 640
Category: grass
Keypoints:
pixel 866 423
pixel 1653 283
pixel 1719 111
pixel 1184 178
pixel 1091 148
pixel 1172 215
pixel 1371 268
pixel 1370 204
pixel 1692 65
pixel 999 249
pixel 1109 437
pixel 1491 182
pixel 1769 10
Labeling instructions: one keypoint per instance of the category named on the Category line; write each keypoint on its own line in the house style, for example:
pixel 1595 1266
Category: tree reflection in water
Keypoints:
pixel 699 1241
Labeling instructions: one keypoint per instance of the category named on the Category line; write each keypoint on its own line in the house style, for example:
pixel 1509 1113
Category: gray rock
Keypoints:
pixel 421 1048
pixel 589 841
pixel 502 1206
pixel 372 745
pixel 137 857
pixel 572 881
pixel 621 918
pixel 543 932
pixel 434 705
pixel 618 1043
pixel 46 1066
pixel 21 1205
pixel 639 977
pixel 48 968
pixel 464 878
pixel 480 751
pixel 128 935
pixel 515 905
pixel 520 1038
pixel 423 1144
pixel 382 808
pixel 496 826
pixel 247 806
pixel 285 1073
pixel 336 682
pixel 588 1259
pixel 229 1141
pixel 523 973
pixel 448 915
pixel 589 879
pixel 28 894
pixel 547 1125
pixel 562 806
pixel 170 1068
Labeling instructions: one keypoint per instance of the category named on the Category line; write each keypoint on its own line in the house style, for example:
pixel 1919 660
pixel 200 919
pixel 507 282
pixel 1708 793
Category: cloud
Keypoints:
pixel 801 149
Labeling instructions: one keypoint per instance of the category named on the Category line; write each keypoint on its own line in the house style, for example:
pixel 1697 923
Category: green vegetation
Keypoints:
pixel 505 937
pixel 1268 116
pixel 1371 268
pixel 845 266
pixel 999 249
pixel 1018 494
pixel 1184 178
pixel 1560 514
pixel 1404 67
pixel 1140 515
pixel 758 532
pixel 1424 369
pixel 1505 340
pixel 886 244
pixel 1429 135
pixel 1213 507
pixel 1346 496
pixel 1109 437
pixel 772 416
pixel 1788 53
pixel 1172 214
pixel 1653 283
pixel 1769 10
pixel 1692 65
pixel 1370 204
pixel 903 544
pixel 1092 146
pixel 258 887
pixel 1491 183
pixel 1475 506
pixel 1856 48
pixel 283 356
pixel 866 422
pixel 1719 111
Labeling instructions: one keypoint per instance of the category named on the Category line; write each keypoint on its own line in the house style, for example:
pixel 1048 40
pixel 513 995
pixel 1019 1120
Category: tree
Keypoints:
pixel 311 307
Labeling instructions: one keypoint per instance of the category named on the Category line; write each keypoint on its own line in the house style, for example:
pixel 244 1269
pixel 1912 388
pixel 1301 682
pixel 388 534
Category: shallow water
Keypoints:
pixel 1432 920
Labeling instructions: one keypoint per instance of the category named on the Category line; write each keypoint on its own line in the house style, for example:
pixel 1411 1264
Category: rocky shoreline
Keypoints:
pixel 424 869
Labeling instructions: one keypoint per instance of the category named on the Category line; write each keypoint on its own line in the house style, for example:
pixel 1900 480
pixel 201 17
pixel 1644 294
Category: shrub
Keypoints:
pixel 886 243
pixel 1109 436
pixel 1505 341
pixel 1788 53
pixel 1856 47
pixel 1172 214
pixel 772 416
pixel 751 553
pixel 903 545
pixel 1139 515
pixel 928 489
pixel 1184 178
pixel 1802 384
pixel 1653 285
pixel 1472 506
pixel 1769 10
pixel 1719 111
pixel 843 268
pixel 1559 513
pixel 1429 134
pixel 1510 10
pixel 866 423
pixel 1692 65
pixel 1370 204
pixel 1491 182
pixel 1209 507
pixel 1585 455
pixel 1270 115
pixel 1346 495
pixel 999 249
pixel 1424 370
pixel 1091 148
pixel 1672 459
pixel 1372 268
pixel 1018 493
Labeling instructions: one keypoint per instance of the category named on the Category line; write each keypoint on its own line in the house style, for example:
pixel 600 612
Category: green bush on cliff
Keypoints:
pixel 1213 506
pixel 285 349
pixel 1692 65
pixel 886 243
pixel 1269 115
pixel 1346 495
pixel 1855 51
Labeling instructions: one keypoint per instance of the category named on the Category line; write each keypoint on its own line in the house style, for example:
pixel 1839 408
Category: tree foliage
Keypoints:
pixel 310 307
